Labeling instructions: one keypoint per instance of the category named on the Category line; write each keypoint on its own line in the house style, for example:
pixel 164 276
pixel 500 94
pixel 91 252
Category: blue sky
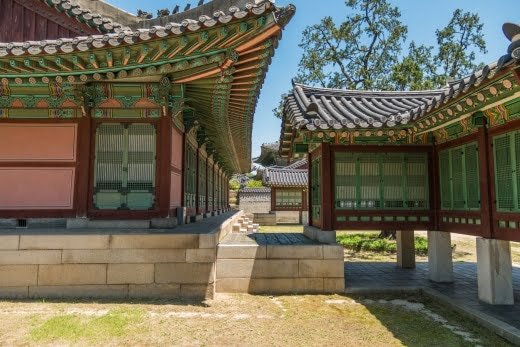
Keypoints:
pixel 421 17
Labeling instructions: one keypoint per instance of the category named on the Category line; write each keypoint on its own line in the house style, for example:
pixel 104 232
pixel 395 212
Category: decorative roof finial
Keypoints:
pixel 512 32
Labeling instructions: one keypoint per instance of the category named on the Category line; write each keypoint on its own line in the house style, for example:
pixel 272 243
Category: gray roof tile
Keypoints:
pixel 284 177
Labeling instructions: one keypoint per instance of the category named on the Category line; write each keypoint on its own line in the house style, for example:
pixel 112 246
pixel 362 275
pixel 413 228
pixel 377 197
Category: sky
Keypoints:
pixel 422 17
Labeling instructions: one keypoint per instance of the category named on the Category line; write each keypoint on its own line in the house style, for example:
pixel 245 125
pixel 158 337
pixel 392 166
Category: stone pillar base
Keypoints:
pixel 495 272
pixel 322 236
pixel 405 249
pixel 440 262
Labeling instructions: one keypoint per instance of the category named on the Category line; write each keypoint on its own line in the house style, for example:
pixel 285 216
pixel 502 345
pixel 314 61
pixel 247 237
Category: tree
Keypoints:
pixel 458 43
pixel 254 184
pixel 416 71
pixel 357 53
pixel 364 52
pixel 234 184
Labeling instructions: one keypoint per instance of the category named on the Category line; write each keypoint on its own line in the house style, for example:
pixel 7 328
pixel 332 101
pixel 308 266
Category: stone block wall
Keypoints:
pixel 264 218
pixel 110 265
pixel 280 269
pixel 254 206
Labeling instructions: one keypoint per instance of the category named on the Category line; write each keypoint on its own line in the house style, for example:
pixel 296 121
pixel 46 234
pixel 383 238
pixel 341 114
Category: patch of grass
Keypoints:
pixel 370 242
pixel 72 328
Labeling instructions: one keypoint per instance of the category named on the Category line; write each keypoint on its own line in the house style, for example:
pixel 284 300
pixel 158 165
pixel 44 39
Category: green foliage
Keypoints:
pixel 254 184
pixel 357 53
pixel 364 51
pixel 458 42
pixel 234 184
pixel 368 242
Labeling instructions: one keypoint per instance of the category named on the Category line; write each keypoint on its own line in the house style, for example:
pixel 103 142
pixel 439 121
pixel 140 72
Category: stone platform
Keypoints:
pixel 111 262
pixel 278 263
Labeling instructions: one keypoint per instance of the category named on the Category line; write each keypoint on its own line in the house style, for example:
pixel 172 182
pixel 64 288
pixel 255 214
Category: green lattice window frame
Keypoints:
pixel 506 155
pixel 125 166
pixel 288 198
pixel 202 182
pixel 381 181
pixel 190 181
pixel 210 188
pixel 459 178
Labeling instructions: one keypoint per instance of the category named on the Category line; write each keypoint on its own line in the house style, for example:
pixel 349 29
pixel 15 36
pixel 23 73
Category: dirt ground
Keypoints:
pixel 242 320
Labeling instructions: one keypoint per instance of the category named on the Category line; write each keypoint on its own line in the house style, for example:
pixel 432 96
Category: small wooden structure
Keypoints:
pixel 288 191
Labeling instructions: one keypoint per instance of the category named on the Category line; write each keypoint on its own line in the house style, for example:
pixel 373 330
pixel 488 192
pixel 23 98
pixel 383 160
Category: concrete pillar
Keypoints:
pixel 405 249
pixel 440 262
pixel 495 272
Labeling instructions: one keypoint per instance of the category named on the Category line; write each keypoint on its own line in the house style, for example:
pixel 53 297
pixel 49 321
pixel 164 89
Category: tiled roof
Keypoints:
pixel 124 35
pixel 284 177
pixel 254 190
pixel 300 164
pixel 255 193
pixel 81 12
pixel 321 108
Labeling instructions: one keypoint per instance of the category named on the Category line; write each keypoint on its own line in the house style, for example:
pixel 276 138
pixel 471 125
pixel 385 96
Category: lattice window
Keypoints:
pixel 202 182
pixel 507 174
pixel 381 181
pixel 190 188
pixel 288 198
pixel 459 178
pixel 125 166
pixel 210 188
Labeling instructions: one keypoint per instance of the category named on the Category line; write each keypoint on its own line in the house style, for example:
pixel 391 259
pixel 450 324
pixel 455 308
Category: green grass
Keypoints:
pixel 74 328
pixel 370 242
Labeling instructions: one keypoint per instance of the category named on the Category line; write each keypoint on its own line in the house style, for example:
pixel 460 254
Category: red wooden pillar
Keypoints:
pixel 486 173
pixel 164 165
pixel 435 187
pixel 273 198
pixel 327 169
pixel 84 158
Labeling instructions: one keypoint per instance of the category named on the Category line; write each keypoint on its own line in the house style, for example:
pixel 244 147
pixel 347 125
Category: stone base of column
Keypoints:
pixel 495 272
pixel 322 236
pixel 405 249
pixel 440 261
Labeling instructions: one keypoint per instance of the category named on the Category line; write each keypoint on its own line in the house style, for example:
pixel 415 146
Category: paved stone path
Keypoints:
pixel 289 239
pixel 463 291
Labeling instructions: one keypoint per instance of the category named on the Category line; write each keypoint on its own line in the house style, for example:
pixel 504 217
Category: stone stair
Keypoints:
pixel 245 225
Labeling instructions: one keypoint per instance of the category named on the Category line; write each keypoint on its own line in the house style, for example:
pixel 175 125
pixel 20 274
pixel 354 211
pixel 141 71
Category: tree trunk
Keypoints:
pixel 388 234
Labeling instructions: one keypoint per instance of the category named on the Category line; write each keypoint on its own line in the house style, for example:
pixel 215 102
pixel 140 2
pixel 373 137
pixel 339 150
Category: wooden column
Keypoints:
pixel 83 183
pixel 486 173
pixel 435 192
pixel 273 198
pixel 326 188
pixel 164 165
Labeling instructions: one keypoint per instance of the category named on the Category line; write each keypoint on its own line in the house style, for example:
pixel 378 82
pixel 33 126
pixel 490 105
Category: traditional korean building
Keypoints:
pixel 106 115
pixel 288 192
pixel 442 160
